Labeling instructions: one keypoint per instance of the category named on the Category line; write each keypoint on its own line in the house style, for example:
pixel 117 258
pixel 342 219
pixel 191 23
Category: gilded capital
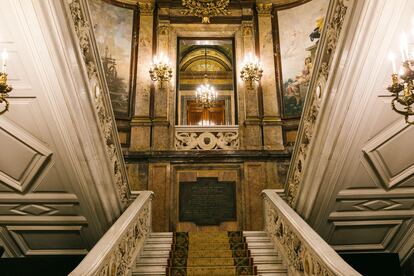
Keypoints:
pixel 264 9
pixel 146 8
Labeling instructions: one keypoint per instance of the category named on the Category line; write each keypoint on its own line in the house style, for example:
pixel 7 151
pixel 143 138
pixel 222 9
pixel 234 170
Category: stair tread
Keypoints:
pixel 153 259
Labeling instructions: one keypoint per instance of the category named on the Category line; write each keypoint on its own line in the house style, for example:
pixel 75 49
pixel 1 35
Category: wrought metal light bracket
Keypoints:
pixel 5 89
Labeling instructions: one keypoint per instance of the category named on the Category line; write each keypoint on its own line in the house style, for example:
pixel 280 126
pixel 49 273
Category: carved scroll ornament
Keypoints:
pixel 310 115
pixel 102 106
pixel 206 139
pixel 205 8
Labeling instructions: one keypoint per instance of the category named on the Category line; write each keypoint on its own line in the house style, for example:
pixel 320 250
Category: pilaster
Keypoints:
pixel 272 129
pixel 161 123
pixel 252 134
pixel 141 121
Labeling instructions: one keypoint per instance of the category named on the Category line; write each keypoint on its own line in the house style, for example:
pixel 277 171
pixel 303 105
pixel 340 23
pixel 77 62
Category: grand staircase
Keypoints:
pixel 212 254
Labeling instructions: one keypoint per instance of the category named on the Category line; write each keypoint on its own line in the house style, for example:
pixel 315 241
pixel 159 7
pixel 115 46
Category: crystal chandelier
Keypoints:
pixel 205 93
pixel 251 71
pixel 402 83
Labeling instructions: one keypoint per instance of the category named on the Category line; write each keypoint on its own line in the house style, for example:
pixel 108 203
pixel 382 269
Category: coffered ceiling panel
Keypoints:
pixel 363 235
pixel 32 155
pixel 391 155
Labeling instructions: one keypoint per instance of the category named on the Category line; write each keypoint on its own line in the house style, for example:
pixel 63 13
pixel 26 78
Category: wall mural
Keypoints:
pixel 296 38
pixel 115 32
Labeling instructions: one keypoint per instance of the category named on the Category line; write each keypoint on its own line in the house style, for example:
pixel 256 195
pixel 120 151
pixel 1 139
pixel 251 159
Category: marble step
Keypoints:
pixel 271 268
pixel 159 240
pixel 161 235
pixel 254 234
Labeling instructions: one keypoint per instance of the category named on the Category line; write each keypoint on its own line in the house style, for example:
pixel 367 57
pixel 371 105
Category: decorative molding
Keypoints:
pixel 207 138
pixel 116 251
pixel 358 241
pixel 264 9
pixel 206 8
pixel 328 43
pixel 100 97
pixel 69 235
pixel 146 8
pixel 302 248
pixel 34 157
pixel 381 150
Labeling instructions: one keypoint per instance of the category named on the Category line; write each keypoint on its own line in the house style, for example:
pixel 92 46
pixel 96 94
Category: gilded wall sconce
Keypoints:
pixel 402 83
pixel 161 70
pixel 251 71
pixel 5 89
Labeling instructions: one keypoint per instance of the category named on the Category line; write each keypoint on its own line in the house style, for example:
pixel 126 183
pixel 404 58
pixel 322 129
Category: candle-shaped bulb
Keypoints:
pixel 391 57
pixel 4 57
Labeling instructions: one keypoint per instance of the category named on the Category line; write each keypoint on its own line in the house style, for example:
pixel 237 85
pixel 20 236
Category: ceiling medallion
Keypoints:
pixel 205 8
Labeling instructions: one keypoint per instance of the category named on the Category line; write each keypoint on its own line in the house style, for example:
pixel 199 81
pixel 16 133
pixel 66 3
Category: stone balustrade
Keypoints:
pixel 305 252
pixel 337 19
pixel 116 252
pixel 207 138
pixel 98 93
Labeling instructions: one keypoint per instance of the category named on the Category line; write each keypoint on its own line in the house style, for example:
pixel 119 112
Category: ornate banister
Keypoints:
pixel 305 252
pixel 80 21
pixel 116 251
pixel 338 15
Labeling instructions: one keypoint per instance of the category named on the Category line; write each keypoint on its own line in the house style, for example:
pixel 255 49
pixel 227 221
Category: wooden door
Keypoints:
pixel 206 116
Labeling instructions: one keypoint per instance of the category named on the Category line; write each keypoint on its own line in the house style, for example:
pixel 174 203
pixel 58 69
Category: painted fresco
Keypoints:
pixel 298 30
pixel 113 27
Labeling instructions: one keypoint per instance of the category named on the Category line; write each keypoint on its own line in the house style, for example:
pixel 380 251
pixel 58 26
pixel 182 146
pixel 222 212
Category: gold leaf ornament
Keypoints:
pixel 205 8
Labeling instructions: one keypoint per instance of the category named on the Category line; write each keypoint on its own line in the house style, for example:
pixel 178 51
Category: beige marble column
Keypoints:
pixel 272 129
pixel 252 134
pixel 161 124
pixel 141 121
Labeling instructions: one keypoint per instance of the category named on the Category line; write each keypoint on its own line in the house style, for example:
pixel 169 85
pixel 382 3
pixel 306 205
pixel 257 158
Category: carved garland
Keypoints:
pixel 298 255
pixel 309 118
pixel 205 8
pixel 82 29
pixel 124 253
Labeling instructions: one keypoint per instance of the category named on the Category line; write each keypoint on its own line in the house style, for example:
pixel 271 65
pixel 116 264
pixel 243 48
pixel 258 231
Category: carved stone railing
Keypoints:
pixel 98 92
pixel 206 138
pixel 116 252
pixel 338 17
pixel 304 251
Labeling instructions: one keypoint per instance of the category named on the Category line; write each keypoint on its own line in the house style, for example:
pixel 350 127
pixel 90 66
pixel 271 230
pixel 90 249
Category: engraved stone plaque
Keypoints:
pixel 207 201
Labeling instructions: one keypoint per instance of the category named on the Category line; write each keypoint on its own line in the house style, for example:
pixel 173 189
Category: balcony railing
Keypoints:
pixel 116 251
pixel 207 138
pixel 305 252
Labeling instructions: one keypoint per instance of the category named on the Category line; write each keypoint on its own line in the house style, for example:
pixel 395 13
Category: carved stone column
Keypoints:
pixel 272 129
pixel 141 121
pixel 161 124
pixel 252 134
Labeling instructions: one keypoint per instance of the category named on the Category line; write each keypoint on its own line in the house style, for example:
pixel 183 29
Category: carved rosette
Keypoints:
pixel 103 108
pixel 300 258
pixel 205 8
pixel 206 139
pixel 310 115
